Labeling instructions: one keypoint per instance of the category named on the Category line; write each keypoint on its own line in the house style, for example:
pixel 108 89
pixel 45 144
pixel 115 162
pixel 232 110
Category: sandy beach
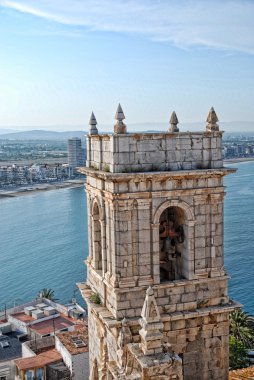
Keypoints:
pixel 26 190
pixel 236 160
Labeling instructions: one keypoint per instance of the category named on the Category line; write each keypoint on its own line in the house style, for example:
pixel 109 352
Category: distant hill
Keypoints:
pixel 234 126
pixel 4 131
pixel 42 135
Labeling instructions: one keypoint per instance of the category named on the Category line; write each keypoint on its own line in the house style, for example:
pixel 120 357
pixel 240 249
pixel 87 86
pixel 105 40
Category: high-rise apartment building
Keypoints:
pixel 76 156
pixel 157 289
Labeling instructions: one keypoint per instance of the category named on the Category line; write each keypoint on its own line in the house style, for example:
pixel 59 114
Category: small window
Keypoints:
pixel 39 375
pixel 29 375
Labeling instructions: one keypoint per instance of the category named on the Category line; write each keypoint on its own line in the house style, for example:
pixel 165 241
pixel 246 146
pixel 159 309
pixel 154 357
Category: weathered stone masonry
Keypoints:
pixel 155 219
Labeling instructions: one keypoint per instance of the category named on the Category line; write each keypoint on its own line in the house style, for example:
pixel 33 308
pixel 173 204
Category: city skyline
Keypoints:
pixel 61 60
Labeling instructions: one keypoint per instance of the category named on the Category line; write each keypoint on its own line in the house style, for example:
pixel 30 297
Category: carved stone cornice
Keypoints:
pixel 162 175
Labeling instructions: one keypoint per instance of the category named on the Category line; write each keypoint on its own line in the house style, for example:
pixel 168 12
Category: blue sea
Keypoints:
pixel 43 241
pixel 43 244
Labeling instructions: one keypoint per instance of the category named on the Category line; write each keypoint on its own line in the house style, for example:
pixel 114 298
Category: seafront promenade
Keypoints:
pixel 31 189
pixel 38 187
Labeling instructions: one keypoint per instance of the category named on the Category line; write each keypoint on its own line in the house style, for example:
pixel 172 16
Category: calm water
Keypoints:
pixel 43 241
pixel 239 234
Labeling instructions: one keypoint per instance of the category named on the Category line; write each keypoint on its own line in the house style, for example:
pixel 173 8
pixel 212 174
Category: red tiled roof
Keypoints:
pixel 38 361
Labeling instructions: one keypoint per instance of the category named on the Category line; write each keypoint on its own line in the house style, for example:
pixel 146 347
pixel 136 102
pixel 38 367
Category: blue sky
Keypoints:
pixel 61 59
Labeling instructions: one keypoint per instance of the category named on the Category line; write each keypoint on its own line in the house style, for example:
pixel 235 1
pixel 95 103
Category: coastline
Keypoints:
pixel 39 187
pixel 237 160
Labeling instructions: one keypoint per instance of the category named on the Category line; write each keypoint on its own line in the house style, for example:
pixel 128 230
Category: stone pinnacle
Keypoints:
pixel 93 122
pixel 173 123
pixel 119 113
pixel 119 127
pixel 211 121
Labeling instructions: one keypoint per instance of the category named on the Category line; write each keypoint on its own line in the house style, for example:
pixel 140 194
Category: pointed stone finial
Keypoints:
pixel 151 336
pixel 173 123
pixel 150 311
pixel 125 335
pixel 212 121
pixel 119 127
pixel 93 122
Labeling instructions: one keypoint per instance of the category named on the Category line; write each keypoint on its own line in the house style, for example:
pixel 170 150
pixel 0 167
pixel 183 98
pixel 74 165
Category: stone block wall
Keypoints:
pixel 178 296
pixel 200 338
pixel 130 207
pixel 144 152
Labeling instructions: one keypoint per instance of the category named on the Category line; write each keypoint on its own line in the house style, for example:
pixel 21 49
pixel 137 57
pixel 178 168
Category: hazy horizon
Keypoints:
pixel 145 126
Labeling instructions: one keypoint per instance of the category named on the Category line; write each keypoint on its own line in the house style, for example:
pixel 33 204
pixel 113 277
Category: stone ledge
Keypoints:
pixel 104 314
pixel 178 174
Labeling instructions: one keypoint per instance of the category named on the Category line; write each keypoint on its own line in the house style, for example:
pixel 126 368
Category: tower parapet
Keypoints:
pixel 123 152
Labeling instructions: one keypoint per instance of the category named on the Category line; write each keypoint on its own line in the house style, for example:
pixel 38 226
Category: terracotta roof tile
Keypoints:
pixel 38 361
pixel 242 374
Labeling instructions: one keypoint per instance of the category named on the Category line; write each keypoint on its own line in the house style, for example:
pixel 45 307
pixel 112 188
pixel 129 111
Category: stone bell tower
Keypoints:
pixel 156 285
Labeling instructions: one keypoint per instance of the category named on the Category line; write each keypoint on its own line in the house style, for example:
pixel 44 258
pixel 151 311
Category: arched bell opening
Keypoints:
pixel 172 244
pixel 97 248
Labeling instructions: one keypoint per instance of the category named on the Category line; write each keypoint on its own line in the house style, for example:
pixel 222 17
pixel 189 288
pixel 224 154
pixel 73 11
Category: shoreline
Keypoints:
pixel 237 160
pixel 36 188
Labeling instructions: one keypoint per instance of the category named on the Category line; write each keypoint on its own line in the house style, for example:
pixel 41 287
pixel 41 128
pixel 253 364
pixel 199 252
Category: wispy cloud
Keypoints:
pixel 215 24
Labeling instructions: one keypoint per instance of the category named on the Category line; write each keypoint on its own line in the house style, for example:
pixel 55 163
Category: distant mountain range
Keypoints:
pixel 41 134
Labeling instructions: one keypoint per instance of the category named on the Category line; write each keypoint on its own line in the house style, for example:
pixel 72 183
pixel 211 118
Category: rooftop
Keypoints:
pixel 71 340
pixel 38 361
pixel 21 316
pixel 51 325
pixel 240 374
pixel 10 348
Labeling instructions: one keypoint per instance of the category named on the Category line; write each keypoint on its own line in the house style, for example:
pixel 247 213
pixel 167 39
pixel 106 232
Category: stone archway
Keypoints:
pixel 173 242
pixel 172 247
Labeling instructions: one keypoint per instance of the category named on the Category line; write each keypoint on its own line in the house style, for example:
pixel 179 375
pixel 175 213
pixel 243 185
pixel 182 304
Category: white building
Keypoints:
pixel 75 153
pixel 73 347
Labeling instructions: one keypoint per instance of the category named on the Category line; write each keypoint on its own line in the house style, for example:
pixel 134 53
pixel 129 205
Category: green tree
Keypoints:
pixel 241 327
pixel 47 293
pixel 237 354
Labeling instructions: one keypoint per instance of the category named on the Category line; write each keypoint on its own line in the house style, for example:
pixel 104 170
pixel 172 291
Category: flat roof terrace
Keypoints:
pixel 51 325
pixel 23 317
pixel 68 340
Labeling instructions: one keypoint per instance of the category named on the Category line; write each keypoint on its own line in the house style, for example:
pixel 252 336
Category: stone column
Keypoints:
pixel 156 252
